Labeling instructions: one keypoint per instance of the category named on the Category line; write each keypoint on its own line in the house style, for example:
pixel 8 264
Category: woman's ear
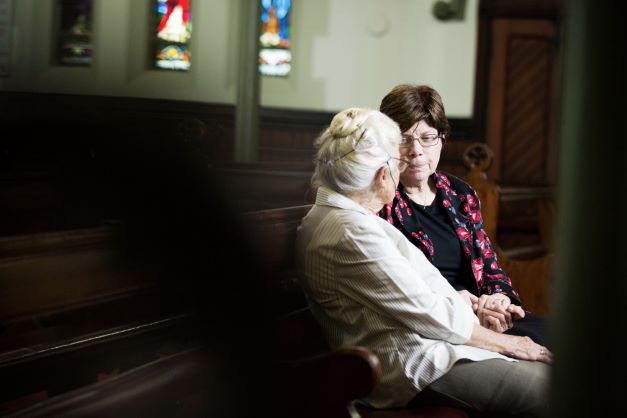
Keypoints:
pixel 381 176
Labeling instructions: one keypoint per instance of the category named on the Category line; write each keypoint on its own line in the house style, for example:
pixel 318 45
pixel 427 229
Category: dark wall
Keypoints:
pixel 61 156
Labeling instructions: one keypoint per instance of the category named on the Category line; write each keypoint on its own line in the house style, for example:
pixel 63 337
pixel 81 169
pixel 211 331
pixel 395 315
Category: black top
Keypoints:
pixel 483 275
pixel 448 257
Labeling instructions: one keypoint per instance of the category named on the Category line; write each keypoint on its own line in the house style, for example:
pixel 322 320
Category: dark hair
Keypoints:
pixel 407 104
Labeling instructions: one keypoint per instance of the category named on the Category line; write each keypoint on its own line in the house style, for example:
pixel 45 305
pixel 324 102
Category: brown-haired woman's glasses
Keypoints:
pixel 424 140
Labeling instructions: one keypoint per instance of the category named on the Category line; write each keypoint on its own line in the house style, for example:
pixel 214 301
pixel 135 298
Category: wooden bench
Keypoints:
pixel 180 385
pixel 48 272
pixel 65 364
pixel 72 310
pixel 60 374
pixel 273 233
pixel 189 384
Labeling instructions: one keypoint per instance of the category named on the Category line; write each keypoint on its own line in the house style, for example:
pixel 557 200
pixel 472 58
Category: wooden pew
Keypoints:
pixel 273 232
pixel 37 360
pixel 44 276
pixel 72 309
pixel 48 272
pixel 312 380
pixel 32 202
pixel 184 384
pixel 66 364
pixel 189 384
pixel 73 288
pixel 529 270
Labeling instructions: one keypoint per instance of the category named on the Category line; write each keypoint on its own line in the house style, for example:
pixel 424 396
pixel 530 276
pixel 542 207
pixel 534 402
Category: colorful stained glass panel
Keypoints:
pixel 275 54
pixel 173 32
pixel 75 34
pixel 6 15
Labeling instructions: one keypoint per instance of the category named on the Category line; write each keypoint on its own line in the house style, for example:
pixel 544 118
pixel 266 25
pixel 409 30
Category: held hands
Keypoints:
pixel 497 318
pixel 495 312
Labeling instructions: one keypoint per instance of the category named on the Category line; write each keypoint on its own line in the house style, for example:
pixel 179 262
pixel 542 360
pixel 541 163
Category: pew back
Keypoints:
pixel 72 307
pixel 260 186
pixel 273 232
pixel 530 273
pixel 63 364
pixel 176 385
pixel 55 271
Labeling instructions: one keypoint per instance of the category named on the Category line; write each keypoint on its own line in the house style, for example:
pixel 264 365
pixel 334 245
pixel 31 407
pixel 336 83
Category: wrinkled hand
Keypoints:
pixel 470 299
pixel 494 320
pixel 524 348
pixel 496 312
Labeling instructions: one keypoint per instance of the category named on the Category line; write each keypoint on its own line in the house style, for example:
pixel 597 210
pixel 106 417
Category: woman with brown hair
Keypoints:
pixel 440 214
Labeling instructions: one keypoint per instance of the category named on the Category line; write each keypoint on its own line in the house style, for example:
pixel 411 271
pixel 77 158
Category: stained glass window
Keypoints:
pixel 173 32
pixel 6 15
pixel 75 34
pixel 275 55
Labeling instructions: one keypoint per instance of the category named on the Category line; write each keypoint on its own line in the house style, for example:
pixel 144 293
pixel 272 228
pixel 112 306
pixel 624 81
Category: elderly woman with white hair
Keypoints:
pixel 367 285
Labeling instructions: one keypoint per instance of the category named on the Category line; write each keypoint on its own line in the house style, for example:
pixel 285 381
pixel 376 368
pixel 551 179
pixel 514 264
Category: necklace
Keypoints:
pixel 422 201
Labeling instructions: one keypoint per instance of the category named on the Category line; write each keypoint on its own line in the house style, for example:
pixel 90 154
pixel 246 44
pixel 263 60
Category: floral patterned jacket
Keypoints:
pixel 463 208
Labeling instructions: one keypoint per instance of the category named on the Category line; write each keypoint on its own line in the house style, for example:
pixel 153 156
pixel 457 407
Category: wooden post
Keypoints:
pixel 588 325
pixel 247 106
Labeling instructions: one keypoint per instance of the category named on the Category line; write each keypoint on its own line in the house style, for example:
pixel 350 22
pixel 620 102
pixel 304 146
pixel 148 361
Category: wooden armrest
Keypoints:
pixel 316 381
pixel 349 372
pixel 345 374
pixel 325 384
pixel 298 335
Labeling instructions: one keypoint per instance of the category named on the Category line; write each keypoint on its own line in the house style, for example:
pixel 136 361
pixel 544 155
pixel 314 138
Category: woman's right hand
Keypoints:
pixel 524 348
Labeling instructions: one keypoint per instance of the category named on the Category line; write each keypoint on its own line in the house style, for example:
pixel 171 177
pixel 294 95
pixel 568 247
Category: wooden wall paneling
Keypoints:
pixel 285 134
pixel 67 182
pixel 288 134
pixel 287 144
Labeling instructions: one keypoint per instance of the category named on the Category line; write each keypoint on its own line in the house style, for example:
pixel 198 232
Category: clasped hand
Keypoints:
pixel 495 312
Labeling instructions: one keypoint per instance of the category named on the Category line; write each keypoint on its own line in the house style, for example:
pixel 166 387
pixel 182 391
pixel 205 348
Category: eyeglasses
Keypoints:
pixel 429 140
pixel 402 164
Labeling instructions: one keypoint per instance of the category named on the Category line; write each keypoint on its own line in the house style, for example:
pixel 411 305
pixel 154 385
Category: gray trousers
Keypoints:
pixel 492 388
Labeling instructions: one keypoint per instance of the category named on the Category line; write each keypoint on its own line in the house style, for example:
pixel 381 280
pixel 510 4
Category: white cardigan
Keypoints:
pixel 367 285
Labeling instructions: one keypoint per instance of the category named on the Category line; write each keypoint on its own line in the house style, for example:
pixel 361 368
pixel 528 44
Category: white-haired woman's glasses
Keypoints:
pixel 402 164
